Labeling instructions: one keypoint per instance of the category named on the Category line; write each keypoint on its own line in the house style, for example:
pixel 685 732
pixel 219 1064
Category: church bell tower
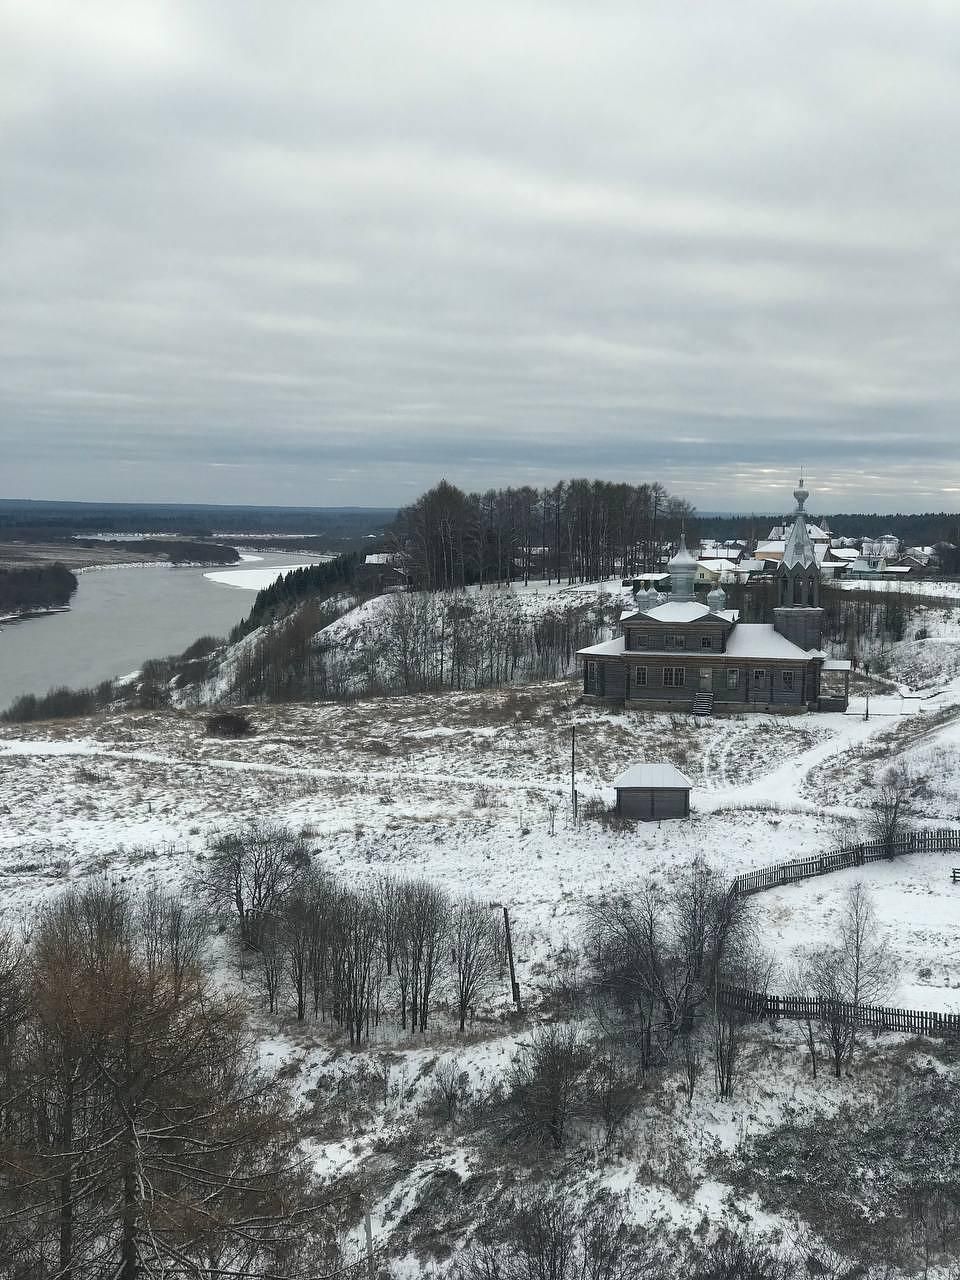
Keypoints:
pixel 798 616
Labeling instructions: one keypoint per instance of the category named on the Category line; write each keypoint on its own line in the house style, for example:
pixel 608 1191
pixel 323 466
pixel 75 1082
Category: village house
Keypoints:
pixel 684 655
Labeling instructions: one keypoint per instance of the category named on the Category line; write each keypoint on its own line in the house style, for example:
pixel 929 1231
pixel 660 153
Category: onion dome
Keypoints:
pixel 683 571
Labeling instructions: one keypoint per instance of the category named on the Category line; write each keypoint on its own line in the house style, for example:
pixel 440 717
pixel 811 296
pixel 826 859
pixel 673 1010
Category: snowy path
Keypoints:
pixel 88 749
pixel 785 783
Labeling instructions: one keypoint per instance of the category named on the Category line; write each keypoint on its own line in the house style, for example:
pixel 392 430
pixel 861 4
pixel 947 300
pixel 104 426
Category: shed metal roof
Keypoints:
pixel 663 776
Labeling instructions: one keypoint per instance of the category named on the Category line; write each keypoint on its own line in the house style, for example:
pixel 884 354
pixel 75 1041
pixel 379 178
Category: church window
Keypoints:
pixel 706 642
pixel 673 677
pixel 759 675
pixel 640 677
pixel 733 679
pixel 788 679
pixel 676 641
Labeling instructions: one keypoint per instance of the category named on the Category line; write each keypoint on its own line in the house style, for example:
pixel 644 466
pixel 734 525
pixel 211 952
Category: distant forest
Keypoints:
pixel 580 530
pixel 46 587
pixel 39 520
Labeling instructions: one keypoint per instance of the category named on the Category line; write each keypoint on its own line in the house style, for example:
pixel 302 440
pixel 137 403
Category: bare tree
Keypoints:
pixel 357 961
pixel 473 952
pixel 888 818
pixel 173 933
pixel 271 957
pixel 304 925
pixel 390 899
pixel 659 956
pixel 744 966
pixel 421 951
pixel 248 873
pixel 859 969
pixel 801 984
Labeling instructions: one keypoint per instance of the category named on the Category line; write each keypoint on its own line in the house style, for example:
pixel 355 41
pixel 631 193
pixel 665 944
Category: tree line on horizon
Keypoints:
pixel 914 529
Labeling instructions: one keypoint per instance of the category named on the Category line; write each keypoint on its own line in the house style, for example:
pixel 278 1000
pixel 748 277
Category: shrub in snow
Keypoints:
pixel 229 724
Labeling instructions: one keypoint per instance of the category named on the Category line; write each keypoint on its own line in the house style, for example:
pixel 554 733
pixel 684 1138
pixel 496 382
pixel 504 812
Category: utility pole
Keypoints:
pixel 573 772
pixel 368 1241
pixel 866 714
pixel 514 984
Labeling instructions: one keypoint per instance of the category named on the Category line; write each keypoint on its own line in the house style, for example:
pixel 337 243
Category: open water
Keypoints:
pixel 118 618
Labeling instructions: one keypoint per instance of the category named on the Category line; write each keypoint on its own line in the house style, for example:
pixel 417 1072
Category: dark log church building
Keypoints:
pixel 682 655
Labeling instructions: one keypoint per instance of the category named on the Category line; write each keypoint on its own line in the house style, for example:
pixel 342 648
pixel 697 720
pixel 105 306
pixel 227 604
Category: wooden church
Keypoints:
pixel 679 654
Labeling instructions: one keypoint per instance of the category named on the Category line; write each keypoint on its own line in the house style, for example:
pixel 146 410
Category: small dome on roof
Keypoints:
pixel 716 599
pixel 683 559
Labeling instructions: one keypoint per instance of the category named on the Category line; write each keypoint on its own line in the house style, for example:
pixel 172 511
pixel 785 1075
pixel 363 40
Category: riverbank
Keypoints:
pixel 118 620
pixel 34 555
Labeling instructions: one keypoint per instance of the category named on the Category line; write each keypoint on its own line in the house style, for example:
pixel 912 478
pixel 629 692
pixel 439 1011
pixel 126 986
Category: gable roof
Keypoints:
pixel 760 640
pixel 653 775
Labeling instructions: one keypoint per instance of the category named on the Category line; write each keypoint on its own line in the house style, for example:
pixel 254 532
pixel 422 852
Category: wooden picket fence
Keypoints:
pixel 945 840
pixel 761 1007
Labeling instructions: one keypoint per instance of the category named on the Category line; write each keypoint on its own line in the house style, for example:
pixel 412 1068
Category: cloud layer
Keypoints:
pixel 326 253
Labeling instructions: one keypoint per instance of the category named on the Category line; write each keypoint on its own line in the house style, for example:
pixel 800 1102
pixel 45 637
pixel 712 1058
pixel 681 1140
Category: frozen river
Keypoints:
pixel 119 617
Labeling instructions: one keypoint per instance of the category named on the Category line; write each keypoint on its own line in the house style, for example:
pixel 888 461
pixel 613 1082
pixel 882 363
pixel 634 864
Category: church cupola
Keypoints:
pixel 717 599
pixel 683 573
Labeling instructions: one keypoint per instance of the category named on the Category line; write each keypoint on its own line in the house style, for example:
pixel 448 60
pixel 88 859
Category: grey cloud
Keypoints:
pixel 330 253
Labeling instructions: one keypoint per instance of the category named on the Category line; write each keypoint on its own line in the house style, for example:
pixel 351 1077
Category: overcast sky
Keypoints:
pixel 328 253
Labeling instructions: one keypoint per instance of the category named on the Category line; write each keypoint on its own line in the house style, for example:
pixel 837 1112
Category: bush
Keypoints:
pixel 546 1085
pixel 229 724
pixel 59 704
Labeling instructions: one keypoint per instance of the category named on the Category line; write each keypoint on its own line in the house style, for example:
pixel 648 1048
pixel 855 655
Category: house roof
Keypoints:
pixel 719 566
pixel 773 550
pixel 607 649
pixel 679 611
pixel 779 532
pixel 653 775
pixel 760 640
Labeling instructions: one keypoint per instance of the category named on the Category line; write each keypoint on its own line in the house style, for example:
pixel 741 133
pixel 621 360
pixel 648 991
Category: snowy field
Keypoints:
pixel 473 791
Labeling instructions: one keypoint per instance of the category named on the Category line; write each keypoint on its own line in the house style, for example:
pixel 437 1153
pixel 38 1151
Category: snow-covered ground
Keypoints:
pixel 472 790
pixel 909 586
pixel 468 789
pixel 258 579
